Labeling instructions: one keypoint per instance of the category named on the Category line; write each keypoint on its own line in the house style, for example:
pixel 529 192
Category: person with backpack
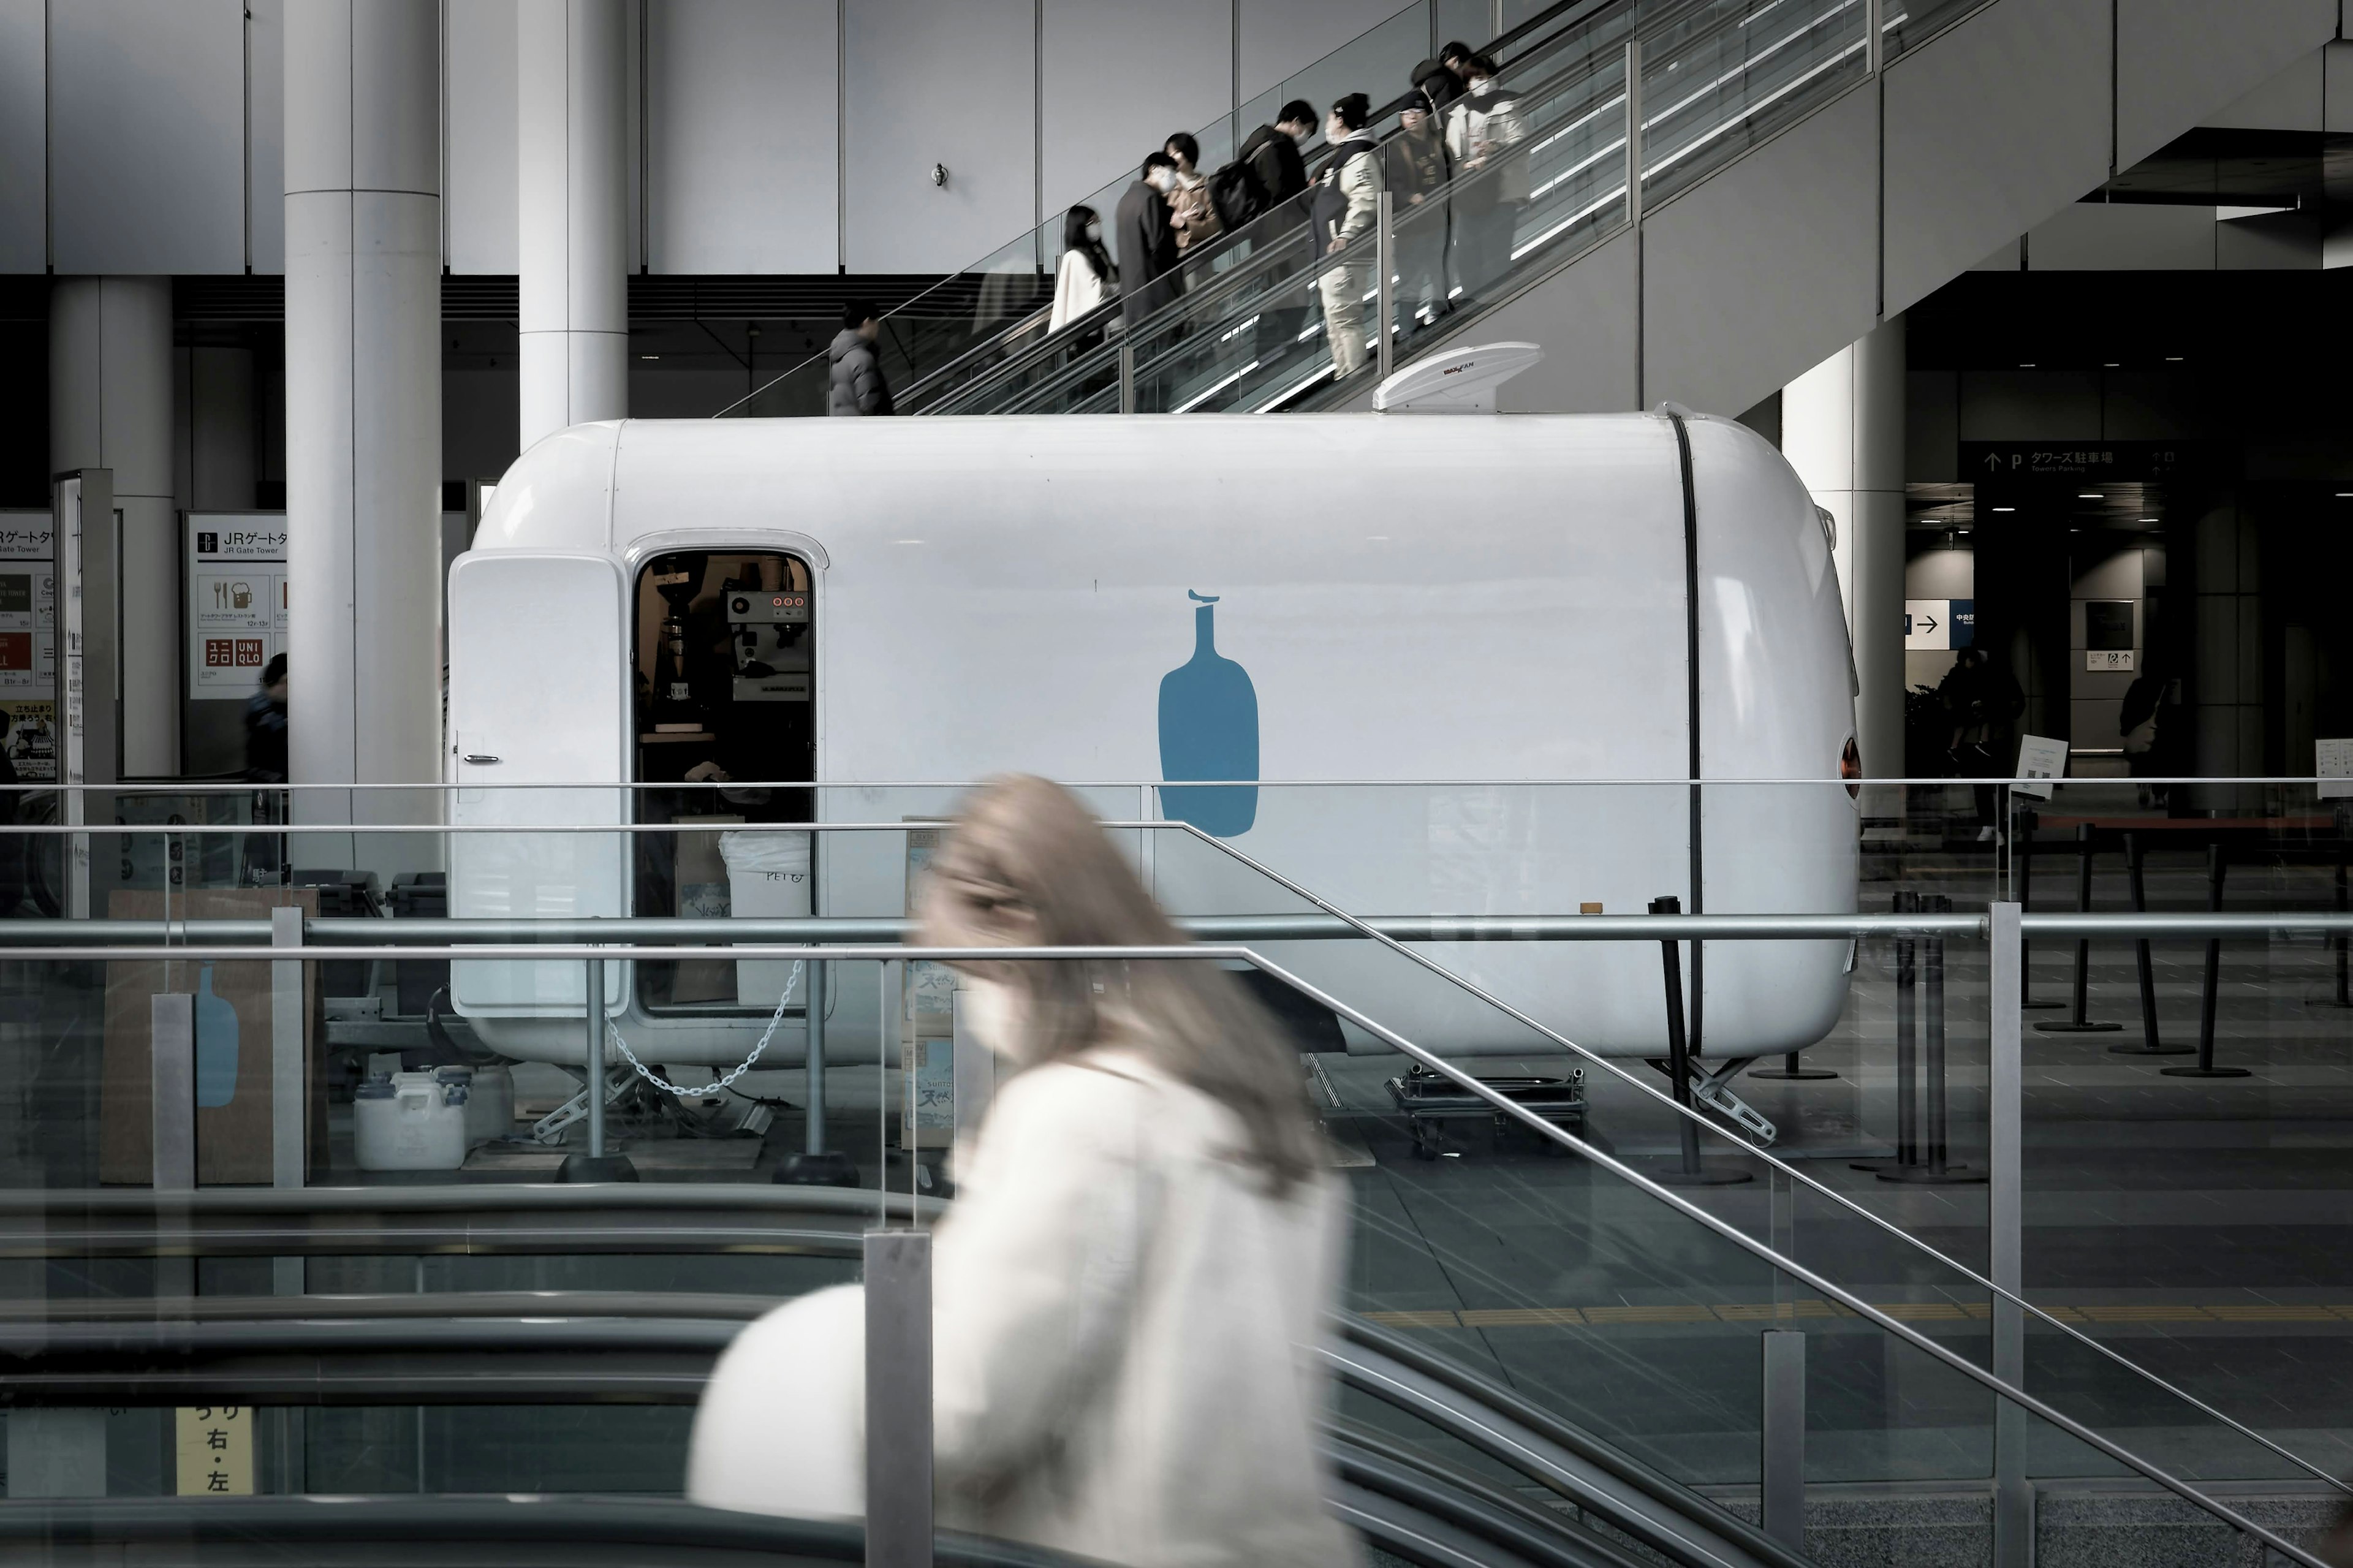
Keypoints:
pixel 1147 244
pixel 1270 155
pixel 1347 206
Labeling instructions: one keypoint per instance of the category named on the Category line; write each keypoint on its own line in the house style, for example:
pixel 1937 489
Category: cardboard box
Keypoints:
pixel 700 876
pixel 233 1137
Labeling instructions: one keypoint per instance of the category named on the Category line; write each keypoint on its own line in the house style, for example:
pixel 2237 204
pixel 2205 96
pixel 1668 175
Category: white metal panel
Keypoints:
pixel 147 116
pixel 1006 592
pixel 924 85
pixel 1988 130
pixel 538 696
pixel 2178 61
pixel 481 115
pixel 1280 36
pixel 743 161
pixel 1101 114
pixel 265 86
pixel 1767 265
pixel 24 138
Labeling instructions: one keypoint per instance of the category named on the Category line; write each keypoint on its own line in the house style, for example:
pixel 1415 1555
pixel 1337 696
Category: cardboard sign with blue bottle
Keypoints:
pixel 234 1113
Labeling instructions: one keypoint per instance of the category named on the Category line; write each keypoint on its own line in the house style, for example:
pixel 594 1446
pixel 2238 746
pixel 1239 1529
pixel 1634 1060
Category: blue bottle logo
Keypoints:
pixel 215 1044
pixel 1208 730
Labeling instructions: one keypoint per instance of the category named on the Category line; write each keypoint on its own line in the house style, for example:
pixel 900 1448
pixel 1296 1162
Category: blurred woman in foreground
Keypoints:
pixel 1128 1295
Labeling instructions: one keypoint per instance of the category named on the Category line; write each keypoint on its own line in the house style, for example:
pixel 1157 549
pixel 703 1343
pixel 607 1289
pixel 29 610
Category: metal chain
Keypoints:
pixel 717 1084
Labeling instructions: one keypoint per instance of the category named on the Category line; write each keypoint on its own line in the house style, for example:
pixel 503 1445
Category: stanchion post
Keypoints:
pixel 2218 866
pixel 2144 963
pixel 2013 1502
pixel 597 1164
pixel 1384 258
pixel 2079 1018
pixel 2022 859
pixel 814 1165
pixel 898 1399
pixel 1907 1087
pixel 1782 1473
pixel 1938 1168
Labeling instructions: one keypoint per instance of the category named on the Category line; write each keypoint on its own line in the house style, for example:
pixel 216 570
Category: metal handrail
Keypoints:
pixel 166 787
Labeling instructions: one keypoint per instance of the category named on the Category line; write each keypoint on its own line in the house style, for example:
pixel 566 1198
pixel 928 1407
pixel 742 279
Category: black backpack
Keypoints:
pixel 1237 195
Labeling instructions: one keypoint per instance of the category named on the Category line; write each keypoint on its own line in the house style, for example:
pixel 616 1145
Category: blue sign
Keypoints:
pixel 1208 730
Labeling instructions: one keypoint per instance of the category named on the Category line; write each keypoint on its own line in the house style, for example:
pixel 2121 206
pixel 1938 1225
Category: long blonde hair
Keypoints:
pixel 1028 863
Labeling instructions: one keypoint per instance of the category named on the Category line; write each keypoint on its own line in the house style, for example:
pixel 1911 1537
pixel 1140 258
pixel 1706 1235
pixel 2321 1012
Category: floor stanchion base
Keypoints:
pixel 597 1168
pixel 2038 1007
pixel 1672 1174
pixel 2205 1072
pixel 1929 1176
pixel 2142 1050
pixel 1783 1075
pixel 830 1169
pixel 2069 1027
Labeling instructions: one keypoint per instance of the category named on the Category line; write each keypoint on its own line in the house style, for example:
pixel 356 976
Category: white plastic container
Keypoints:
pixel 409 1121
pixel 489 1105
pixel 767 874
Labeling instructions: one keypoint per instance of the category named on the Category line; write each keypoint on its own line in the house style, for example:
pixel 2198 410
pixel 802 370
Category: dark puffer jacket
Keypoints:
pixel 854 376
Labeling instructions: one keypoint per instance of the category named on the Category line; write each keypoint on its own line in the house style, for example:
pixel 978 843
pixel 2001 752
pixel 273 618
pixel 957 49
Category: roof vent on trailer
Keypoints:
pixel 1460 381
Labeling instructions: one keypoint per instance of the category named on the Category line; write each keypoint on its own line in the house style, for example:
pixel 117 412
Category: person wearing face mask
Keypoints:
pixel 1417 170
pixel 1346 206
pixel 1146 242
pixel 1272 151
pixel 1127 1295
pixel 1191 212
pixel 1484 134
pixel 1085 277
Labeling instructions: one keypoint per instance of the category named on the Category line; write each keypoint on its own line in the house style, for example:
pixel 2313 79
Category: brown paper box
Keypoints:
pixel 233 1141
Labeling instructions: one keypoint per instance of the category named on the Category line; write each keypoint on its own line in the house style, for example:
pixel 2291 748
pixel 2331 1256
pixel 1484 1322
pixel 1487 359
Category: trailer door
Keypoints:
pixel 538 738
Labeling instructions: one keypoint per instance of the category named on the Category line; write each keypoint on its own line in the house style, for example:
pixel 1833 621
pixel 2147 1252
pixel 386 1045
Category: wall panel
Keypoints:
pixel 743 142
pixel 1280 36
pixel 924 85
pixel 24 136
pixel 481 47
pixel 147 110
pixel 1991 128
pixel 2175 58
pixel 1119 76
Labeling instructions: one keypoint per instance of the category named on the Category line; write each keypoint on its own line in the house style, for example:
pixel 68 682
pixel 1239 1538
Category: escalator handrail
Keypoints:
pixel 519 1197
pixel 1559 13
pixel 579 1521
pixel 1369 1459
pixel 1623 1467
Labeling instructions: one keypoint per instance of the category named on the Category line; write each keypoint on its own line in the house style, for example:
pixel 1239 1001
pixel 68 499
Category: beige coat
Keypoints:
pixel 1123 1333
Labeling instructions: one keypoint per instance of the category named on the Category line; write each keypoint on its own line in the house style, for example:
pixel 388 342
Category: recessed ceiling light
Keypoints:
pixel 2173 359
pixel 649 357
pixel 2026 364
pixel 2148 520
pixel 2089 495
pixel 2005 509
pixel 2342 495
pixel 2112 365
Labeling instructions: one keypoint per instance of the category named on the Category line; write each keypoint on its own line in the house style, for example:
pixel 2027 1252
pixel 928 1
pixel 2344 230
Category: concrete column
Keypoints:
pixel 110 380
pixel 363 395
pixel 572 222
pixel 2226 680
pixel 1842 430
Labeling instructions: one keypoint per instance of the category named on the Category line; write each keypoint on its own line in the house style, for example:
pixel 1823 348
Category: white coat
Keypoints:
pixel 1077 289
pixel 1124 1334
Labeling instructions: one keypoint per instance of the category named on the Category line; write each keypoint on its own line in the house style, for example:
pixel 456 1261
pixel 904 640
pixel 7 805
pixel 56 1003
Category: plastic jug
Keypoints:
pixel 490 1101
pixel 409 1121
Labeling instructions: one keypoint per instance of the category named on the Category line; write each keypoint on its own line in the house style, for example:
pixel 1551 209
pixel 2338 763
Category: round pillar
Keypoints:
pixel 364 399
pixel 572 214
pixel 1842 430
pixel 110 407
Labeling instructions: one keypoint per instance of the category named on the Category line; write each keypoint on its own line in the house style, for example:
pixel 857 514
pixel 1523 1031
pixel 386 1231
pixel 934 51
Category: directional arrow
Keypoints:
pixel 1993 461
pixel 1929 622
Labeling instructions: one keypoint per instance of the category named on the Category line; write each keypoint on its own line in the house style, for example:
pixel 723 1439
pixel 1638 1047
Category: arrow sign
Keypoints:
pixel 1929 622
pixel 1992 463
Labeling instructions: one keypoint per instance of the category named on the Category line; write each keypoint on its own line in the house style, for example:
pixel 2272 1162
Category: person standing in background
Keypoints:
pixel 1147 241
pixel 1191 212
pixel 265 725
pixel 854 383
pixel 1084 278
pixel 1347 205
pixel 1273 151
pixel 1483 133
pixel 1418 169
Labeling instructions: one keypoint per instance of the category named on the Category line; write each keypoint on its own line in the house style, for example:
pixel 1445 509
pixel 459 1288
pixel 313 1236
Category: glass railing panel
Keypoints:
pixel 1719 76
pixel 2189 1179
pixel 1911 23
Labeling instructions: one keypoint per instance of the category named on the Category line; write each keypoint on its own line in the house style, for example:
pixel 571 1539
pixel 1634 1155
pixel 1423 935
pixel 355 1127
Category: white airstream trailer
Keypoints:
pixel 1389 597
